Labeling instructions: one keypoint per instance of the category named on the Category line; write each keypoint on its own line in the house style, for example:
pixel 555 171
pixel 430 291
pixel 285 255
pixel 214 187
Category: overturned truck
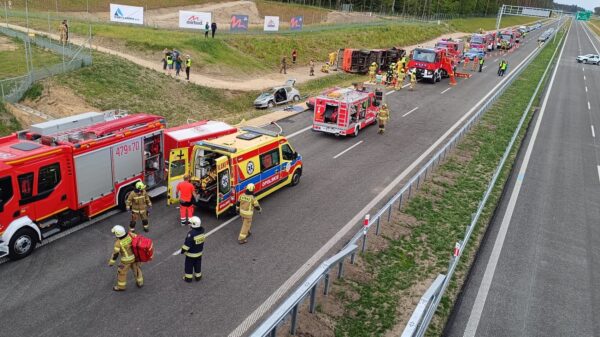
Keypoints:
pixel 357 61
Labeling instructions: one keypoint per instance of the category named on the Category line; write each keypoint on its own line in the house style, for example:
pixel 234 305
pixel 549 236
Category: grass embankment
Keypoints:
pixel 381 292
pixel 114 83
pixel 473 24
pixel 8 123
pixel 12 55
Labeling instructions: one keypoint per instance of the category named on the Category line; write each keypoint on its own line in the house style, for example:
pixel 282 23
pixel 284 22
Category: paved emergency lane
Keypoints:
pixel 62 288
pixel 537 273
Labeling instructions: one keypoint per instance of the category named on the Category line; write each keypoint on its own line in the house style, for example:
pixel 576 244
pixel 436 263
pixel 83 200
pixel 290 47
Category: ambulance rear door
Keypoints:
pixel 224 193
pixel 178 164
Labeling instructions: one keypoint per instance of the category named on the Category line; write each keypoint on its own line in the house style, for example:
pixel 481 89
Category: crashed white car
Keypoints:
pixel 589 58
pixel 278 95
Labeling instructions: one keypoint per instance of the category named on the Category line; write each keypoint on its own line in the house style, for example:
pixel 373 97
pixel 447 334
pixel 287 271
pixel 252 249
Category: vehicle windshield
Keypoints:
pixel 477 39
pixel 265 94
pixel 424 55
pixel 474 51
pixel 507 37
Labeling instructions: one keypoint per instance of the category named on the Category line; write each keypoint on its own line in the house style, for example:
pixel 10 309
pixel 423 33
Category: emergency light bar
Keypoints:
pixel 217 147
pixel 260 131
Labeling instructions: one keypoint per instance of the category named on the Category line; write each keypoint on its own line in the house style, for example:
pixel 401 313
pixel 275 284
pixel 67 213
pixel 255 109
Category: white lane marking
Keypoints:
pixel 251 319
pixel 584 77
pixel 214 230
pixel 391 92
pixel 411 111
pixel 593 132
pixel 586 88
pixel 446 90
pixel 585 29
pixel 496 60
pixel 483 67
pixel 589 106
pixel 299 132
pixel 598 172
pixel 346 150
pixel 583 69
pixel 486 282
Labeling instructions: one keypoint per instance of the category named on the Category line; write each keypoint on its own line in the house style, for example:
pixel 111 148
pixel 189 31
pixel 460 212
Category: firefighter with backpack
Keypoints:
pixel 138 202
pixel 192 249
pixel 124 246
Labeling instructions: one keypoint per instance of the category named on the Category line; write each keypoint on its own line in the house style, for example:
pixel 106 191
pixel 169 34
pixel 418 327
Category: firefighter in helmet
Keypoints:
pixel 138 202
pixel 246 205
pixel 390 74
pixel 400 81
pixel 123 247
pixel 383 117
pixel 192 249
pixel 372 70
pixel 413 79
pixel 332 57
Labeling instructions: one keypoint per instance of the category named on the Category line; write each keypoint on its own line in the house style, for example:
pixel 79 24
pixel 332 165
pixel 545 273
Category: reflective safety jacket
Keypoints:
pixel 138 202
pixel 188 63
pixel 384 114
pixel 124 248
pixel 246 205
pixel 194 243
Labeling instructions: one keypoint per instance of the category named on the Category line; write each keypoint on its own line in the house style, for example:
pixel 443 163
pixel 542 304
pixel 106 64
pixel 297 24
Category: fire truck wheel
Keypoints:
pixel 356 130
pixel 296 98
pixel 123 194
pixel 22 243
pixel 270 104
pixel 296 178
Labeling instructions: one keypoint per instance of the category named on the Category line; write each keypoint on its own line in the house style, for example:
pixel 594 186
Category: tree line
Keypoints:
pixel 431 7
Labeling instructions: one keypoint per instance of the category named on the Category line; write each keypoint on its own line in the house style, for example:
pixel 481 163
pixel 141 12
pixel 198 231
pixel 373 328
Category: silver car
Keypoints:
pixel 589 58
pixel 278 95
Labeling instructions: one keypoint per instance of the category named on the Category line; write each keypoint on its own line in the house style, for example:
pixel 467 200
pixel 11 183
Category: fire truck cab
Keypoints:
pixel 346 111
pixel 430 63
pixel 222 168
pixel 506 39
pixel 61 172
pixel 454 48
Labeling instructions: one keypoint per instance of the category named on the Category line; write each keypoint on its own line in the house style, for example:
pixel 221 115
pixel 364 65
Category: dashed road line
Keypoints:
pixel 586 88
pixel 584 77
pixel 589 106
pixel 214 230
pixel 598 172
pixel 411 111
pixel 445 90
pixel 391 92
pixel 299 132
pixel 593 132
pixel 346 150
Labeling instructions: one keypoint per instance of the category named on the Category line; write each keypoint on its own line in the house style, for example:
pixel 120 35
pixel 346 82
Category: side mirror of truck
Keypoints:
pixel 295 155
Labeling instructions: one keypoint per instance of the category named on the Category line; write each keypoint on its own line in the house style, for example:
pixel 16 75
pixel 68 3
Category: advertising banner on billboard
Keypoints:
pixel 194 20
pixel 127 14
pixel 296 22
pixel 271 24
pixel 239 23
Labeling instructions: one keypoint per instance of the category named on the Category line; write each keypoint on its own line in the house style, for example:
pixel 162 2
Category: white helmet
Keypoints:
pixel 195 222
pixel 118 231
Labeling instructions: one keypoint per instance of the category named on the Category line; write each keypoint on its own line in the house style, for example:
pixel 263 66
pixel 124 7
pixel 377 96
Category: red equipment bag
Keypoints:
pixel 143 249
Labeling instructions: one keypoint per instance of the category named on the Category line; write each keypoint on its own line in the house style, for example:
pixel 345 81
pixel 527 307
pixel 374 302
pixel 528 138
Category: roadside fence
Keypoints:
pixel 73 58
pixel 358 243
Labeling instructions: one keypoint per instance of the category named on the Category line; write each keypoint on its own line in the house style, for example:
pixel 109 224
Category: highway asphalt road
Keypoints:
pixel 64 288
pixel 537 273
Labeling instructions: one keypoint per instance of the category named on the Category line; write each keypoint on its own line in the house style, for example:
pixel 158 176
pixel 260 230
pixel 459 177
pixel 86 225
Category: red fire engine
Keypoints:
pixel 61 172
pixel 454 48
pixel 431 64
pixel 346 111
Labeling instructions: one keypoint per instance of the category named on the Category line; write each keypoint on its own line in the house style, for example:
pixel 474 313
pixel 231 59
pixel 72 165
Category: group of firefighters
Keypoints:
pixel 394 76
pixel 139 204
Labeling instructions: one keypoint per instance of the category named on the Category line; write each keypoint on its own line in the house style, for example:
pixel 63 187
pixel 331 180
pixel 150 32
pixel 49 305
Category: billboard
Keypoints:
pixel 296 22
pixel 271 24
pixel 537 12
pixel 239 23
pixel 127 14
pixel 194 20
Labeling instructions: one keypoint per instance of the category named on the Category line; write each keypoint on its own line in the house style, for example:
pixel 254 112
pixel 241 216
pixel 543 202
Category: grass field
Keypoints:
pixel 13 59
pixel 420 244
pixel 473 24
pixel 8 123
pixel 109 85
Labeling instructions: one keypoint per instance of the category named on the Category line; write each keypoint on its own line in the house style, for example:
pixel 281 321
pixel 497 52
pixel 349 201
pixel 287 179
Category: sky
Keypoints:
pixel 587 4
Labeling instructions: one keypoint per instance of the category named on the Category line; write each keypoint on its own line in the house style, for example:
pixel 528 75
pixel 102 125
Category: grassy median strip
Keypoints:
pixel 379 293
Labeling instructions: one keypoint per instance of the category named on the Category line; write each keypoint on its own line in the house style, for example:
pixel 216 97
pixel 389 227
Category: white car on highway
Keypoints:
pixel 589 58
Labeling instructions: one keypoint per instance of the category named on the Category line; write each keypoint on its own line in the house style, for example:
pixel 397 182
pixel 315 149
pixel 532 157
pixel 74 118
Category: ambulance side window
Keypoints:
pixel 48 177
pixel 26 185
pixel 269 159
pixel 177 168
pixel 286 152
pixel 6 191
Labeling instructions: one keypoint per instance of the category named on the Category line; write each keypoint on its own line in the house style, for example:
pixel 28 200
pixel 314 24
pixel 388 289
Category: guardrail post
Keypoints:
pixel 326 285
pixel 313 299
pixel 400 202
pixel 273 332
pixel 365 227
pixel 378 224
pixel 293 324
pixel 341 269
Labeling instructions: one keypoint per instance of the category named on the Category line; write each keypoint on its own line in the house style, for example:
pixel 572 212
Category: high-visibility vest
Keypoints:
pixel 123 247
pixel 481 60
pixel 504 65
pixel 169 59
pixel 247 204
pixel 188 63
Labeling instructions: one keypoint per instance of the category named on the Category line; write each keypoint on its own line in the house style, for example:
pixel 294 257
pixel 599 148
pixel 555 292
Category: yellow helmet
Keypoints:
pixel 374 63
pixel 250 187
pixel 140 185
pixel 118 231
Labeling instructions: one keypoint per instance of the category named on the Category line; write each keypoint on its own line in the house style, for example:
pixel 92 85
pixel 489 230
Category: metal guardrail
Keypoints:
pixel 423 313
pixel 269 326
